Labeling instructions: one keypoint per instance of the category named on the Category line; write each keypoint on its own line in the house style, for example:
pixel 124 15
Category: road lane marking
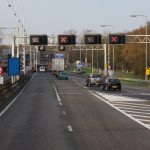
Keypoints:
pixel 144 120
pixel 58 98
pixel 141 116
pixel 124 108
pixel 10 104
pixel 64 113
pixel 70 128
pixel 116 98
pixel 131 104
pixel 128 115
pixel 137 112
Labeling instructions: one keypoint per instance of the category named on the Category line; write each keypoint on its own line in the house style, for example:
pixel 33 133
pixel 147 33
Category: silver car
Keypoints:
pixel 94 79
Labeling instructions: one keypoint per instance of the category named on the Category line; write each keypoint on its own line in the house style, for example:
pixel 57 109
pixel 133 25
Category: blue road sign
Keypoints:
pixel 13 66
pixel 59 56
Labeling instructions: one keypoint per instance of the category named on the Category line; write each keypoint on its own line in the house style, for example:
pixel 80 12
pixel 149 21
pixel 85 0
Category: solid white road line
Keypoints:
pixel 137 112
pixel 70 128
pixel 128 103
pixel 144 120
pixel 124 108
pixel 131 106
pixel 141 116
pixel 59 100
pixel 10 104
pixel 128 115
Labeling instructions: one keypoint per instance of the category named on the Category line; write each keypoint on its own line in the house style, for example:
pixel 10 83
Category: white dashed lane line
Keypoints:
pixel 70 128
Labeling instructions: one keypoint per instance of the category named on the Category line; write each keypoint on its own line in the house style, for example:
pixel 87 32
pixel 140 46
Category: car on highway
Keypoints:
pixel 94 79
pixel 63 75
pixel 111 84
pixel 58 72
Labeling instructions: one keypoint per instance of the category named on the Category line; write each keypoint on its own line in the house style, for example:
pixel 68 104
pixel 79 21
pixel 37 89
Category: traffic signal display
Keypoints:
pixel 116 39
pixel 93 39
pixel 67 39
pixel 38 40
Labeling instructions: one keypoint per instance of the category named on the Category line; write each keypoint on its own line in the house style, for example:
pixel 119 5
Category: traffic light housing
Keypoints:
pixel 93 39
pixel 67 39
pixel 116 39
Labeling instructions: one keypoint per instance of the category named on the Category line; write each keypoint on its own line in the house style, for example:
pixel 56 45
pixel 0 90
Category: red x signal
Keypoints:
pixel 63 39
pixel 114 39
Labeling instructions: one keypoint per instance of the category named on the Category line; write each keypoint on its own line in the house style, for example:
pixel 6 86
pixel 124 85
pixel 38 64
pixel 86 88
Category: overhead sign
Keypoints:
pixel 38 40
pixel 35 40
pixel 1 71
pixel 63 39
pixel 93 39
pixel 58 55
pixel 13 66
pixel 147 71
pixel 67 39
pixel 116 39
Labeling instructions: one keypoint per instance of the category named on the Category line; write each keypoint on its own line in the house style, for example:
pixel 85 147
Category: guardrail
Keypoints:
pixel 137 81
pixel 7 88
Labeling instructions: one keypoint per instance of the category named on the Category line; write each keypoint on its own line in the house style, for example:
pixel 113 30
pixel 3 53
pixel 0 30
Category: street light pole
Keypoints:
pixel 113 46
pixel 146 77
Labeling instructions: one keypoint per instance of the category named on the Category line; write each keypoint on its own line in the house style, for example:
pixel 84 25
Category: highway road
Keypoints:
pixel 52 114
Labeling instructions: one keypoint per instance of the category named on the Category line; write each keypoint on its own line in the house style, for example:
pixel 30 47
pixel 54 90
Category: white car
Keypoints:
pixel 42 69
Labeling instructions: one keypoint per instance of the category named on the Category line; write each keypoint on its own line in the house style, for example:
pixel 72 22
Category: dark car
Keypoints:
pixel 111 84
pixel 94 79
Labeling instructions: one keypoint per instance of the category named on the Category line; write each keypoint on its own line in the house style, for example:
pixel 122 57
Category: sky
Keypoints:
pixel 57 16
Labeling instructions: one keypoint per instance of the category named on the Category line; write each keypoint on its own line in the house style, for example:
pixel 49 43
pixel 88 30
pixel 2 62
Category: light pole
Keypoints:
pixel 104 25
pixel 146 77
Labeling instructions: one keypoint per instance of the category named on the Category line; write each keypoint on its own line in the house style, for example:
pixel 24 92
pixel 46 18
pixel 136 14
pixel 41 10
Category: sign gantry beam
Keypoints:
pixel 53 41
pixel 137 38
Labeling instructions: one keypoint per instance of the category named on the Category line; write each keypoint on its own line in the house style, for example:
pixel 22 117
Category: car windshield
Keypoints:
pixel 63 73
pixel 95 76
pixel 114 81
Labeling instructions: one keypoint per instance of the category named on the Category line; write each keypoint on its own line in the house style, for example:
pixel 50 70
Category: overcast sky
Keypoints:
pixel 57 16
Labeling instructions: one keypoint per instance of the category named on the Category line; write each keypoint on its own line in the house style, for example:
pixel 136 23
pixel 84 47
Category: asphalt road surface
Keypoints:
pixel 52 114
